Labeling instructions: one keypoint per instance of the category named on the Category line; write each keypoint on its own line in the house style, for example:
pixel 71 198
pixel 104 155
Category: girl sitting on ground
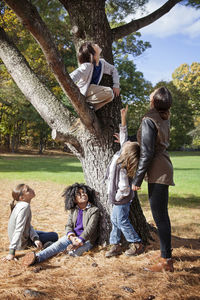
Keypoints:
pixel 21 233
pixel 81 228
pixel 90 73
pixel 120 171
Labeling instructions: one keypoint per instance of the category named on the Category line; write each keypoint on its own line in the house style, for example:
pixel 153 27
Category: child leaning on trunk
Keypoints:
pixel 90 73
pixel 20 231
pixel 119 174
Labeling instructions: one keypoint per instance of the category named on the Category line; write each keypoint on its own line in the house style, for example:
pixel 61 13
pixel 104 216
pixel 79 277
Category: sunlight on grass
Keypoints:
pixel 64 170
pixel 67 170
pixel 186 192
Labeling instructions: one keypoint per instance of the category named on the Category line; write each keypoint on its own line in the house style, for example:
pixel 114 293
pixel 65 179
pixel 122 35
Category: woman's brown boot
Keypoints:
pixel 163 264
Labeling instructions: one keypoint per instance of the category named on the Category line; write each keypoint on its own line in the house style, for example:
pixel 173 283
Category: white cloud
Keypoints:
pixel 194 29
pixel 180 20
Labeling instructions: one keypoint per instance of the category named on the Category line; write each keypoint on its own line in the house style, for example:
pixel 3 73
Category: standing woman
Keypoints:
pixel 153 137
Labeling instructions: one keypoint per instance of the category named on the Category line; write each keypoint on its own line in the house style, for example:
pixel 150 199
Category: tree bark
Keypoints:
pixel 135 25
pixel 30 18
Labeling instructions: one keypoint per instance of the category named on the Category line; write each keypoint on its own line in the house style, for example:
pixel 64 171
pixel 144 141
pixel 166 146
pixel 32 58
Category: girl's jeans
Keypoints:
pixel 60 246
pixel 47 236
pixel 158 198
pixel 121 224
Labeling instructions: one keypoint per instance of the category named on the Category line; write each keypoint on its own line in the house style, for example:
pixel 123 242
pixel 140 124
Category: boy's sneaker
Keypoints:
pixel 29 259
pixel 115 250
pixel 135 249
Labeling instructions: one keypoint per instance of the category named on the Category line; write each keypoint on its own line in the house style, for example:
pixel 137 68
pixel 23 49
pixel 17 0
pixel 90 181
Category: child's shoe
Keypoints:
pixel 29 259
pixel 135 249
pixel 115 250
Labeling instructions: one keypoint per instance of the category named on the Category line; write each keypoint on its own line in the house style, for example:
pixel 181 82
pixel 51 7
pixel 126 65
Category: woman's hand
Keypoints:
pixel 135 188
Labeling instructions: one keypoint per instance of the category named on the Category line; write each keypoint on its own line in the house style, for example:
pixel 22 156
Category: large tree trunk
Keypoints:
pixel 98 152
pixel 93 142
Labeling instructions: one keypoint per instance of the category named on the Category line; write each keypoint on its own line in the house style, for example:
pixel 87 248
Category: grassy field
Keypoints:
pixel 60 169
pixel 67 170
pixel 99 278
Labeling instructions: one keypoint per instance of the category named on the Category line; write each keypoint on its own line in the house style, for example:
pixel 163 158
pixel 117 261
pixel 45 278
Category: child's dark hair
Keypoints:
pixel 17 192
pixel 162 100
pixel 86 53
pixel 70 192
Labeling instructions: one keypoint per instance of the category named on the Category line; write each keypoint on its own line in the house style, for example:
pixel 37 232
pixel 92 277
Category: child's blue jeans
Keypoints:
pixel 60 246
pixel 121 224
pixel 47 236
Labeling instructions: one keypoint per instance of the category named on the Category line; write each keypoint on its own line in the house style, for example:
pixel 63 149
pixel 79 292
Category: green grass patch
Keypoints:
pixel 67 170
pixel 186 192
pixel 64 170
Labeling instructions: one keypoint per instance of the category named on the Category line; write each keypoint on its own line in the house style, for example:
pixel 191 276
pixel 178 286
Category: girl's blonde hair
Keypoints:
pixel 129 158
pixel 17 192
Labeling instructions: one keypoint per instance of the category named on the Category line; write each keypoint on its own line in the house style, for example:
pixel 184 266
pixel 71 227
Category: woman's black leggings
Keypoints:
pixel 158 198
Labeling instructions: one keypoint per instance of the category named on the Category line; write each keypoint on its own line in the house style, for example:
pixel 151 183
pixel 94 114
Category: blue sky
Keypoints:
pixel 175 39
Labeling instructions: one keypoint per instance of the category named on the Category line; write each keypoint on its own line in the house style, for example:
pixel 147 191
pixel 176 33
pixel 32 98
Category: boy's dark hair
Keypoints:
pixel 70 192
pixel 86 53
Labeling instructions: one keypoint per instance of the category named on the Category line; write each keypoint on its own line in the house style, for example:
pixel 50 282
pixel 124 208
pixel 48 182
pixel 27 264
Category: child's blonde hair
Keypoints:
pixel 129 158
pixel 17 192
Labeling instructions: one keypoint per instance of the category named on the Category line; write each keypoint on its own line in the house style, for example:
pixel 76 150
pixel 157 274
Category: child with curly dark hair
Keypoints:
pixel 81 228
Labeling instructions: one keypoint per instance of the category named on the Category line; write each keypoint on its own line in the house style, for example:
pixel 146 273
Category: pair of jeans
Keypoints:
pixel 121 224
pixel 61 246
pixel 47 236
pixel 158 198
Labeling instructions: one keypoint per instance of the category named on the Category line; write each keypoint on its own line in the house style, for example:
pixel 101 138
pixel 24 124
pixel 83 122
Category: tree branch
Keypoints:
pixel 48 106
pixel 135 25
pixel 28 15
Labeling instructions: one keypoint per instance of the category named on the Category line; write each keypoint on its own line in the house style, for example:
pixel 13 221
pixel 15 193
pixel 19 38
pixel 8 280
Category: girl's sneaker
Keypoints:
pixel 115 250
pixel 135 249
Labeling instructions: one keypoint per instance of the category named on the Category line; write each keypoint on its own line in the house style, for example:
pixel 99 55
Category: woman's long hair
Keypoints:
pixel 129 158
pixel 86 53
pixel 17 192
pixel 70 192
pixel 162 101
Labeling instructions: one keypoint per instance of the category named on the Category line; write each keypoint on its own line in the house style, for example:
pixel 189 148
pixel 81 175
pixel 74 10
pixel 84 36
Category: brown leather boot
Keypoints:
pixel 163 264
pixel 115 250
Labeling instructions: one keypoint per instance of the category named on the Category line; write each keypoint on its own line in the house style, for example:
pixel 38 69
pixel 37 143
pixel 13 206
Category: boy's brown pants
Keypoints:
pixel 99 95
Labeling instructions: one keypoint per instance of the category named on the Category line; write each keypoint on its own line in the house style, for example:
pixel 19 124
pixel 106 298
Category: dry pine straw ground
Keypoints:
pixel 93 276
